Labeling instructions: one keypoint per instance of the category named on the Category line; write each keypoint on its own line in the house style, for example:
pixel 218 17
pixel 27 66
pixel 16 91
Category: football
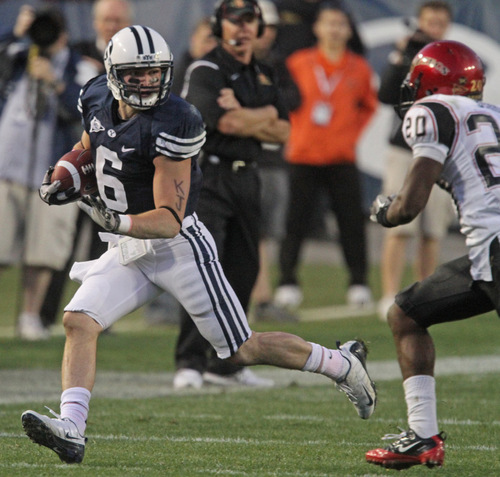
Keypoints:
pixel 76 169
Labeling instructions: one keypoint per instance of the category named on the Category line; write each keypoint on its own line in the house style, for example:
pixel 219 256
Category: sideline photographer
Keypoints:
pixel 40 80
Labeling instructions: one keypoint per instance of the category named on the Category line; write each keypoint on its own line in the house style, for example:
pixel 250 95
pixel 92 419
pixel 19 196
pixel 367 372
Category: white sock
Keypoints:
pixel 328 362
pixel 420 395
pixel 75 406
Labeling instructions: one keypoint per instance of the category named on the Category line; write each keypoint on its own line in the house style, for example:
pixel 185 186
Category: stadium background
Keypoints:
pixel 139 426
pixel 381 23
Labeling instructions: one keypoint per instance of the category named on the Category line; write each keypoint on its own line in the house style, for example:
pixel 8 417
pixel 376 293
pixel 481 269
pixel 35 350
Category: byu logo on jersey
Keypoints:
pixel 95 125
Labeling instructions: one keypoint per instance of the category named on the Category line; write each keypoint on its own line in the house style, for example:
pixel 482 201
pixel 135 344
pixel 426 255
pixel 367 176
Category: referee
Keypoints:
pixel 242 109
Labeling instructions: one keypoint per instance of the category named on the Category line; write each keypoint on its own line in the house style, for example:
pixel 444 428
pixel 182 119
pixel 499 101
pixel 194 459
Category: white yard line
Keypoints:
pixel 336 312
pixel 241 441
pixel 31 385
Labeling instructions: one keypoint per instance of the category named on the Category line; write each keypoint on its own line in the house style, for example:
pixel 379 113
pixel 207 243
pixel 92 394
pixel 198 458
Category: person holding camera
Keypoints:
pixel 433 20
pixel 40 81
pixel 108 18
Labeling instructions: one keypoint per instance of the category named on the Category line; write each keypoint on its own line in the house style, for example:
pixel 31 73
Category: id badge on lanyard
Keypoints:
pixel 322 113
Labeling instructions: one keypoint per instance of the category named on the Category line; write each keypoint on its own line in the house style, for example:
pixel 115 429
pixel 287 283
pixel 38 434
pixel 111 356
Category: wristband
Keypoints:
pixel 382 217
pixel 125 224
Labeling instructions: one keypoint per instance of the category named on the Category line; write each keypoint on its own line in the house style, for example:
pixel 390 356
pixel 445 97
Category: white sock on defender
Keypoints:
pixel 326 361
pixel 420 395
pixel 75 406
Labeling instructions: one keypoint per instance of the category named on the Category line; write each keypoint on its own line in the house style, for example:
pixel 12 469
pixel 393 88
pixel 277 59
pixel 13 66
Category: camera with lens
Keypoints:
pixel 417 41
pixel 47 27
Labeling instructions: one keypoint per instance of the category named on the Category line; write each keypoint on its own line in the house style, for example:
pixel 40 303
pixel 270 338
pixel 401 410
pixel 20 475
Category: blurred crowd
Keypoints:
pixel 330 93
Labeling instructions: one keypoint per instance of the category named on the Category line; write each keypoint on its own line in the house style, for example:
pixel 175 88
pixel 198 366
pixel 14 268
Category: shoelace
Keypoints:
pixel 403 433
pixel 58 416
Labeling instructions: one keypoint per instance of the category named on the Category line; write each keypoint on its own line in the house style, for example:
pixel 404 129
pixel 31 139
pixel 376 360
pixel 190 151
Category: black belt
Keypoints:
pixel 234 165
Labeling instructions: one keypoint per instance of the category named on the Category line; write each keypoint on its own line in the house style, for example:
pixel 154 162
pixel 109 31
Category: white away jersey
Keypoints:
pixel 464 136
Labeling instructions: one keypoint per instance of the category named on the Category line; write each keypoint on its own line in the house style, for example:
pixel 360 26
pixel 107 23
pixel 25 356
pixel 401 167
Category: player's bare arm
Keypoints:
pixel 84 142
pixel 415 192
pixel 412 197
pixel 171 185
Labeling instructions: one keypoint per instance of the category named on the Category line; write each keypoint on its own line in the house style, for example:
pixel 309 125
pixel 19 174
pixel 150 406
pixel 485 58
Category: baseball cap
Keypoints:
pixel 234 9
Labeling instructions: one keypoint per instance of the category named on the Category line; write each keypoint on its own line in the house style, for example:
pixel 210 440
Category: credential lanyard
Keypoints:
pixel 328 84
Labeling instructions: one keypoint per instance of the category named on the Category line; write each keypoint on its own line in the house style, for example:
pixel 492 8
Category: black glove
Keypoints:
pixel 49 191
pixel 94 206
pixel 378 210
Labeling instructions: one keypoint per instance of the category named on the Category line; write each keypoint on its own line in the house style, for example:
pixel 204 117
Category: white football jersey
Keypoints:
pixel 464 136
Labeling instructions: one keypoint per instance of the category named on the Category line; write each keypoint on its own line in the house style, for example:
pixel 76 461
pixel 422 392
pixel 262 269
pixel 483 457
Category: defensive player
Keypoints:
pixel 145 144
pixel 455 140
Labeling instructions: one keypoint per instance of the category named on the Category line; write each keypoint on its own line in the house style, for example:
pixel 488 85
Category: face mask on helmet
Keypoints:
pixel 442 67
pixel 130 53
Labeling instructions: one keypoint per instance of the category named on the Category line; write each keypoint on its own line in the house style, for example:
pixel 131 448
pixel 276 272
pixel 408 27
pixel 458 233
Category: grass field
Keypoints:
pixel 298 430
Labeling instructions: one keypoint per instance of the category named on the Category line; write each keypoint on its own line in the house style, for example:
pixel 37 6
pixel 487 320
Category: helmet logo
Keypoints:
pixel 148 57
pixel 433 63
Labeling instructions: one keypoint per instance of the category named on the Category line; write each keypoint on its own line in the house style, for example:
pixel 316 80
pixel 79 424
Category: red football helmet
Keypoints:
pixel 442 67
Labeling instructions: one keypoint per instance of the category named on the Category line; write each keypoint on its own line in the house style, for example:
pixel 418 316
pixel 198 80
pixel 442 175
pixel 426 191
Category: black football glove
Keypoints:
pixel 378 210
pixel 94 206
pixel 49 191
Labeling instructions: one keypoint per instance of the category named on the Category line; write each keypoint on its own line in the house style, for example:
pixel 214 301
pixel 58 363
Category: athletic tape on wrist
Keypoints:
pixel 125 224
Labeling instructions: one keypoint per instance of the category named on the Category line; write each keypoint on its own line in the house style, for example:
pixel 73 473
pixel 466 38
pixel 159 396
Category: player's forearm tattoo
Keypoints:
pixel 180 194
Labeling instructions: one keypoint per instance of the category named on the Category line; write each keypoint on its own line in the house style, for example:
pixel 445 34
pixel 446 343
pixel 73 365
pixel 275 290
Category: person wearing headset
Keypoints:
pixel 242 109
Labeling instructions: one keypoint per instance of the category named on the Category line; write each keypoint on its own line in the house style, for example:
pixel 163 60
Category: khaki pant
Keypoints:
pixel 434 220
pixel 33 232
